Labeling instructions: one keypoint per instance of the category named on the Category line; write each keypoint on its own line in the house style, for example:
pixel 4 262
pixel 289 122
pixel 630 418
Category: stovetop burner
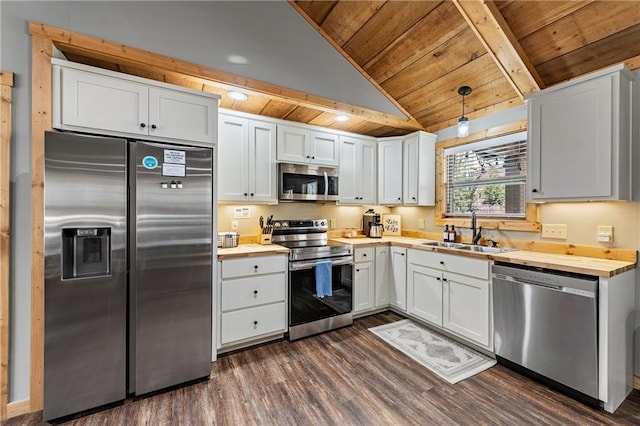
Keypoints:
pixel 307 239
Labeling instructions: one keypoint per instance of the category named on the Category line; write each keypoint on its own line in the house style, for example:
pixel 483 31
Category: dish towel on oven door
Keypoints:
pixel 323 278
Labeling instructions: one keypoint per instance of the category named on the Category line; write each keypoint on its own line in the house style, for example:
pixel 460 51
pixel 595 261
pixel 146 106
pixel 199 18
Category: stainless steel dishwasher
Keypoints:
pixel 547 322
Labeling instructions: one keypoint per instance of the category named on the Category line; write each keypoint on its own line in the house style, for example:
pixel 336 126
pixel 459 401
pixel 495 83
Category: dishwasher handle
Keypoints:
pixel 570 290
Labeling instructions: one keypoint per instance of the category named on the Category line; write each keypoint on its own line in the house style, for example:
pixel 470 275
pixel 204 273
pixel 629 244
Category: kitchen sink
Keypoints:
pixel 468 247
pixel 443 244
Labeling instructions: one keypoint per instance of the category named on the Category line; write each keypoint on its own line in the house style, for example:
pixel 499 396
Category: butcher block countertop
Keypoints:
pixel 251 250
pixel 562 262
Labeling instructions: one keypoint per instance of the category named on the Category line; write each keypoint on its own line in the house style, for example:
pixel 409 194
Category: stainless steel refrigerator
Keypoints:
pixel 128 269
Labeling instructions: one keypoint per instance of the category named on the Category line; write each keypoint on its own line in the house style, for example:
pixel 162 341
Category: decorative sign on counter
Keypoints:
pixel 391 224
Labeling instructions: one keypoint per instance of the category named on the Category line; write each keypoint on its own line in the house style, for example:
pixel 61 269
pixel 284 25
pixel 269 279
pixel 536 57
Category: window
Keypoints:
pixel 488 177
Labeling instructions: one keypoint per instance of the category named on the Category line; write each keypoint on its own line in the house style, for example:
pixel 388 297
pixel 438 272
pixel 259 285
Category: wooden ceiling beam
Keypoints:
pixel 484 17
pixel 117 53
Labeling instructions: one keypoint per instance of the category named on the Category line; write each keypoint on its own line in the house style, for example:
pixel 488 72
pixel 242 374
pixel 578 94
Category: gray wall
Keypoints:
pixel 281 48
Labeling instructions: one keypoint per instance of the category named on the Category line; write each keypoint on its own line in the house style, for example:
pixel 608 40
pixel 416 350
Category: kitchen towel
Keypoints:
pixel 323 278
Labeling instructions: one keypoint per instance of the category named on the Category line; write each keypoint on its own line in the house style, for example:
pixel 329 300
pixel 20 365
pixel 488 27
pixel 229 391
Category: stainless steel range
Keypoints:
pixel 320 277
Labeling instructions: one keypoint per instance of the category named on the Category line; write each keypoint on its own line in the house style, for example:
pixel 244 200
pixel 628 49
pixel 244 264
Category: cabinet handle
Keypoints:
pixel 398 198
pixel 143 125
pixel 255 267
pixel 444 279
pixel 441 262
pixel 255 292
pixel 307 156
pixel 364 254
pixel 357 270
pixel 438 278
pixel 245 194
pixel 252 194
pixel 153 126
pixel 534 190
pixel 255 324
pixel 402 254
pixel 413 198
pixel 313 158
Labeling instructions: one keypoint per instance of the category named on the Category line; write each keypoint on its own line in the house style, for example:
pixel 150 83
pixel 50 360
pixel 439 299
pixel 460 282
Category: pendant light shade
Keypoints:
pixel 463 122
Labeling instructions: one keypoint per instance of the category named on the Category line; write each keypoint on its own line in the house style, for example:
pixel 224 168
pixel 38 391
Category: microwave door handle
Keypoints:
pixel 326 185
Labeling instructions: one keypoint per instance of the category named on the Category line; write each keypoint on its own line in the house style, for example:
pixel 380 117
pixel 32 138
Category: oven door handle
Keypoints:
pixel 297 266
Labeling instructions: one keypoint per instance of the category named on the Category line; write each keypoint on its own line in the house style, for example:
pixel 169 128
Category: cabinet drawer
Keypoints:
pixel 253 266
pixel 252 322
pixel 365 254
pixel 252 291
pixel 451 263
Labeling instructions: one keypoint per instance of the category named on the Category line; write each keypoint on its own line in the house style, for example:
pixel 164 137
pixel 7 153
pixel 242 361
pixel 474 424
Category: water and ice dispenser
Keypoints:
pixel 86 252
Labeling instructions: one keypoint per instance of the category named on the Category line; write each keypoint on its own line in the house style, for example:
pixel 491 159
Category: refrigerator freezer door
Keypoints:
pixel 85 307
pixel 171 246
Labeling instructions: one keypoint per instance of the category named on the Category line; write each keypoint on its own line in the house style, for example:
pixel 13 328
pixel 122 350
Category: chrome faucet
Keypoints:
pixel 477 234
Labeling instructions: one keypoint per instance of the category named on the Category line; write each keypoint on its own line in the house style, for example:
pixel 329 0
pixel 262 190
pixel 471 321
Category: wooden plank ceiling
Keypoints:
pixel 417 53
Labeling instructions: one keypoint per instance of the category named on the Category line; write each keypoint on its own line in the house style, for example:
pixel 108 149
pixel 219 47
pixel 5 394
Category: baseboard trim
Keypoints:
pixel 18 408
pixel 636 382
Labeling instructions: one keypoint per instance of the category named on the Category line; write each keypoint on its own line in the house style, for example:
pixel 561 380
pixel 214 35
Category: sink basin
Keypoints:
pixel 468 247
pixel 484 249
pixel 443 244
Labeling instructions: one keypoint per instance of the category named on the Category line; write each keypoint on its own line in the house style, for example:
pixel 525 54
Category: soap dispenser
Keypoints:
pixel 445 234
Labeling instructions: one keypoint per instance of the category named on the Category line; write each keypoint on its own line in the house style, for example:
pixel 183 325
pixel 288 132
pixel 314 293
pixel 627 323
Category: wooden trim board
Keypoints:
pixel 636 382
pixel 18 408
pixel 41 101
pixel 6 83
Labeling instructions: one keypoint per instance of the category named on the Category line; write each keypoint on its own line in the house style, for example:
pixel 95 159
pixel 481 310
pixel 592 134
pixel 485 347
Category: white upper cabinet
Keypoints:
pixel 247 170
pixel 406 170
pixel 579 136
pixel 305 146
pixel 94 100
pixel 358 171
pixel 419 169
pixel 390 171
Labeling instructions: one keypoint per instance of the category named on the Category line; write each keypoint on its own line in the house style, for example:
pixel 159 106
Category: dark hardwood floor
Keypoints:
pixel 349 377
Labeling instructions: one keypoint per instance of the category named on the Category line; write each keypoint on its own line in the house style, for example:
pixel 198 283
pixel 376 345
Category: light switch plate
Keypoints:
pixel 605 233
pixel 333 223
pixel 557 231
pixel 420 223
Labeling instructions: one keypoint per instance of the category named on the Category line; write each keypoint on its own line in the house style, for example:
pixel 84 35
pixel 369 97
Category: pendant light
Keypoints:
pixel 463 122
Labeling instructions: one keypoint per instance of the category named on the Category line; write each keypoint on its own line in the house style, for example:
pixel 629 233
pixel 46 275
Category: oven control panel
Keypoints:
pixel 300 226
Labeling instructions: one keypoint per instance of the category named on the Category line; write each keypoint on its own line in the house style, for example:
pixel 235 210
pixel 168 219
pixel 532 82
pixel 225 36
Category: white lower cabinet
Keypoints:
pixel 452 292
pixel 252 299
pixel 398 283
pixel 382 276
pixel 364 280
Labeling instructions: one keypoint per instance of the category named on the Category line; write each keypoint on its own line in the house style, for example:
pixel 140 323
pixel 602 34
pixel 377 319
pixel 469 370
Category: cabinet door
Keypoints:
pixel 398 284
pixel 389 172
pixel 262 162
pixel 424 293
pixel 325 149
pixel 293 144
pixel 410 170
pixel 183 116
pixel 570 142
pixel 90 101
pixel 363 289
pixel 383 276
pixel 233 164
pixel 349 178
pixel 368 175
pixel 466 307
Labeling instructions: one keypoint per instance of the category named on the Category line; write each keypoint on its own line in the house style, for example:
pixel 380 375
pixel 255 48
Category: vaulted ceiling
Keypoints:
pixel 418 53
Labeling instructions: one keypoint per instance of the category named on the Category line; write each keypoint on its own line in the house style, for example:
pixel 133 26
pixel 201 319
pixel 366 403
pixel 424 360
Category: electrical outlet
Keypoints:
pixel 420 223
pixel 234 225
pixel 554 231
pixel 333 223
pixel 605 233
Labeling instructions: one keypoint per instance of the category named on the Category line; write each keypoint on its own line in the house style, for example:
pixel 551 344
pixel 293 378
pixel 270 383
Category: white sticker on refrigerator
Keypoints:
pixel 175 157
pixel 178 170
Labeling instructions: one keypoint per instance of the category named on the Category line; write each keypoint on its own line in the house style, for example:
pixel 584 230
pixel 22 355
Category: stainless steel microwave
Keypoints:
pixel 307 183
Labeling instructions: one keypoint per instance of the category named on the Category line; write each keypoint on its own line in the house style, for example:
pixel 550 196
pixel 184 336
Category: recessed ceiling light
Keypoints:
pixel 341 118
pixel 238 96
pixel 237 59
